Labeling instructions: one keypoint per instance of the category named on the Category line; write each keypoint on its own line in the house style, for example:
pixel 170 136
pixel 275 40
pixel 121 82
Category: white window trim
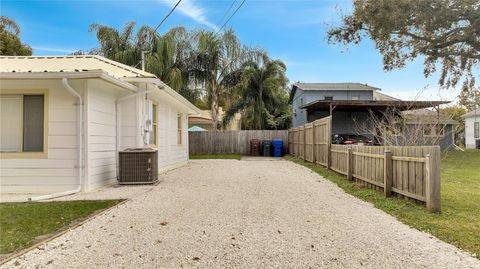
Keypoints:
pixel 180 121
pixel 31 155
pixel 476 124
pixel 155 126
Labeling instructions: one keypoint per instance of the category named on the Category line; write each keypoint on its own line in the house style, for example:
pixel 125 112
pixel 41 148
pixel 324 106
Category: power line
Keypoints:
pixel 235 12
pixel 168 15
pixel 226 12
pixel 158 26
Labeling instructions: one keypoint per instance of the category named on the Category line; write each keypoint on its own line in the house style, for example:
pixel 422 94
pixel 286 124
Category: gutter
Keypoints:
pixel 79 144
pixel 91 74
pixel 162 86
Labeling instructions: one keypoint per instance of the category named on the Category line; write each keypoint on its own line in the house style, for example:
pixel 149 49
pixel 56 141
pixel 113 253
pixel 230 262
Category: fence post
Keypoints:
pixel 313 143
pixel 349 164
pixel 432 172
pixel 329 142
pixel 387 173
pixel 304 143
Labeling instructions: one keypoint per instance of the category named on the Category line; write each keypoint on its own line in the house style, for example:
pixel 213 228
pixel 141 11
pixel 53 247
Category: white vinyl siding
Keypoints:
pixel 472 131
pixel 57 169
pixel 170 153
pixel 102 134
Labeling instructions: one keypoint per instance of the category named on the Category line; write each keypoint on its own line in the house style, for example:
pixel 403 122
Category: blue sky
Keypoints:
pixel 291 30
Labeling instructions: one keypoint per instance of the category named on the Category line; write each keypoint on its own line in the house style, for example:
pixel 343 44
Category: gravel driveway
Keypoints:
pixel 244 214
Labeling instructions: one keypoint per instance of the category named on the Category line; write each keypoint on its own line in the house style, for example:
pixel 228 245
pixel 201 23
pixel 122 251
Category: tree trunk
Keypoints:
pixel 215 106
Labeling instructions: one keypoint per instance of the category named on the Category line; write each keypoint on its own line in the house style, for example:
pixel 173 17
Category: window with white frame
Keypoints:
pixel 22 123
pixel 476 130
pixel 179 129
pixel 154 122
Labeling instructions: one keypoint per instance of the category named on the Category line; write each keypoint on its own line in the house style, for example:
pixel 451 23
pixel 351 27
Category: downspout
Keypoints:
pixel 80 147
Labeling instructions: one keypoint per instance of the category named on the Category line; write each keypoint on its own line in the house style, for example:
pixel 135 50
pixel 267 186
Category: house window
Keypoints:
pixel 179 129
pixel 476 130
pixel 328 98
pixel 355 97
pixel 22 123
pixel 154 132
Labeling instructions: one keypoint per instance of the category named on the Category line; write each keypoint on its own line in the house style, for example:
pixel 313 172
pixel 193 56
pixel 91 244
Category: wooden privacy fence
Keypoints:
pixel 232 142
pixel 409 172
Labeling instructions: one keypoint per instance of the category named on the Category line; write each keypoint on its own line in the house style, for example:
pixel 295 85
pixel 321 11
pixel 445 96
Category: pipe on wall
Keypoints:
pixel 117 120
pixel 69 88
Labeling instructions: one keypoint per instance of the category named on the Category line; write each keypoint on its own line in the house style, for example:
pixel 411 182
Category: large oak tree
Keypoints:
pixel 445 32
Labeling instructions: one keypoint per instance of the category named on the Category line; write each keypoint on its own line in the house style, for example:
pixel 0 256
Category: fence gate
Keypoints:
pixel 322 140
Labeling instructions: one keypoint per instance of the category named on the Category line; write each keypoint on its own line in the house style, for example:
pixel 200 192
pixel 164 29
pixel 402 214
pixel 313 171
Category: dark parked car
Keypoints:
pixel 350 139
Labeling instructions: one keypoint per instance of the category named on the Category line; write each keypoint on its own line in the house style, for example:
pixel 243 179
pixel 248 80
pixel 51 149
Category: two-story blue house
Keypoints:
pixel 351 105
pixel 306 93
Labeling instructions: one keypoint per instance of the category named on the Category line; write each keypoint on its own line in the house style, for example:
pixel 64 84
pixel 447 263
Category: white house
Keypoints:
pixel 472 129
pixel 64 119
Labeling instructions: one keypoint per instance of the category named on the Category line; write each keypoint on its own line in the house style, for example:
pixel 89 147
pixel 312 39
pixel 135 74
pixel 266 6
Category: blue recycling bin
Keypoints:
pixel 277 147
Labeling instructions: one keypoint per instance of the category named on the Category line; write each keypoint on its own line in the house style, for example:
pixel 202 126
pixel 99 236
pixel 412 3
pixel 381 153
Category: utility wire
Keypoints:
pixel 226 12
pixel 160 24
pixel 168 15
pixel 235 12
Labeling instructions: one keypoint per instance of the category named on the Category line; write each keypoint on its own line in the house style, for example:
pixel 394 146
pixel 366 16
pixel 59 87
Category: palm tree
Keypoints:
pixel 164 55
pixel 170 58
pixel 10 43
pixel 218 58
pixel 263 99
pixel 9 25
pixel 120 46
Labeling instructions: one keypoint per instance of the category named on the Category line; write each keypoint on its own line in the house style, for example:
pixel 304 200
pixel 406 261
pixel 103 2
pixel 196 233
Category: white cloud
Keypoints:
pixel 192 10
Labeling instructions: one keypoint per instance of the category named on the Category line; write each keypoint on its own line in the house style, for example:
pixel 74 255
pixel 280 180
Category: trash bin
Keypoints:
pixel 267 148
pixel 255 147
pixel 277 147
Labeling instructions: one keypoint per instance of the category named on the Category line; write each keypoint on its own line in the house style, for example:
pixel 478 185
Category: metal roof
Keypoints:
pixel 425 116
pixel 334 86
pixel 196 129
pixel 370 104
pixel 345 86
pixel 74 63
pixel 383 97
pixel 473 113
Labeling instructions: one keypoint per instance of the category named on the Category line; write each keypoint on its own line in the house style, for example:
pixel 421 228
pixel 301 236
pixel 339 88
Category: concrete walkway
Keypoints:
pixel 244 214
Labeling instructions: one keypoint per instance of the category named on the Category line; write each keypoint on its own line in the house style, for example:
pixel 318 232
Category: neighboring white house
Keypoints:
pixel 472 128
pixel 64 119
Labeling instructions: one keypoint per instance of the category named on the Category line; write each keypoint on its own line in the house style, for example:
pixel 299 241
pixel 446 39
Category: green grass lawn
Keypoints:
pixel 21 223
pixel 216 156
pixel 459 221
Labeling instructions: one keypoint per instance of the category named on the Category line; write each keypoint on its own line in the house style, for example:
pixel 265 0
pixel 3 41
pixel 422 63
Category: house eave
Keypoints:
pixel 371 104
pixel 93 74
pixel 192 109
